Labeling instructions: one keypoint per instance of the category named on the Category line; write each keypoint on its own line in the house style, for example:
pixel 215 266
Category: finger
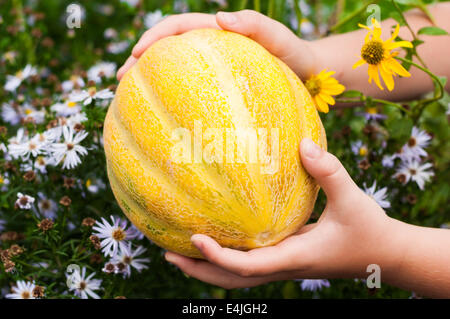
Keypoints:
pixel 306 229
pixel 271 34
pixel 173 25
pixel 328 172
pixel 256 262
pixel 207 272
pixel 127 65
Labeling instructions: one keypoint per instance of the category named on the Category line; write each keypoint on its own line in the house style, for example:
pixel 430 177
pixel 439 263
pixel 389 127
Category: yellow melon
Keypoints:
pixel 203 137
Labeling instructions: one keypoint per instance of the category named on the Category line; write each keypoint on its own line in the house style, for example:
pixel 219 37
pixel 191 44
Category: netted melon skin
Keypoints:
pixel 222 80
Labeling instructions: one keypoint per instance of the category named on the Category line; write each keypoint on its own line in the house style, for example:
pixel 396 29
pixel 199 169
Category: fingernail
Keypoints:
pixel 310 149
pixel 197 241
pixel 227 17
pixel 169 257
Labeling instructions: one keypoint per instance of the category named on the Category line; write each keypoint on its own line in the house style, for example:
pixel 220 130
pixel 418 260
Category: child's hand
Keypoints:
pixel 272 35
pixel 351 233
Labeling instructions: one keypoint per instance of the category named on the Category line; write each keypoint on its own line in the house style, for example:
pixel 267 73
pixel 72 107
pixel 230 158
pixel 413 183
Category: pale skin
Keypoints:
pixel 353 230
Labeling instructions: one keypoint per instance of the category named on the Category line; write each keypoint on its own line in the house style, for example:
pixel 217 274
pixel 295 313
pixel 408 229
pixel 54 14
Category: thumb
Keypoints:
pixel 328 171
pixel 269 33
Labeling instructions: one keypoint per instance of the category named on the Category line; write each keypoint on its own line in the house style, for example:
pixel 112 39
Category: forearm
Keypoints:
pixel 435 52
pixel 422 261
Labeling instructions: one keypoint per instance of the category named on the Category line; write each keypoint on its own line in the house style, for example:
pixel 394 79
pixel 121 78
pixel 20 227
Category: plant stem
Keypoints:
pixel 299 15
pixel 271 8
pixel 438 94
pixel 242 4
pixel 363 100
pixel 410 30
pixel 352 15
pixel 257 5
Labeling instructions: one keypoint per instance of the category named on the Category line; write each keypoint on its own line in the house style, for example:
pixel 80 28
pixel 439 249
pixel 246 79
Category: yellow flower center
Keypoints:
pixel 92 90
pixel 71 104
pixel 373 52
pixel 363 151
pixel 118 234
pixel 28 111
pixel 314 85
pixel 88 183
pixel 372 110
pixel 40 160
pixel 19 75
pixel 26 295
pixel 412 142
pixel 2 180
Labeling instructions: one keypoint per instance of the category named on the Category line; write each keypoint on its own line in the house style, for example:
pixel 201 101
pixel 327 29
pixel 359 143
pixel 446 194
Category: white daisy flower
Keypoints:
pixel 70 149
pixel 14 81
pixel 41 163
pixel 9 56
pixel 87 96
pixel 127 258
pixel 83 286
pixel 71 121
pixel 114 235
pixel 413 170
pixel 388 161
pixel 29 112
pixel 47 207
pixel 75 82
pixel 10 114
pixel 2 225
pixel 314 284
pixel 101 69
pixel 358 148
pixel 22 290
pixel 414 149
pixel 4 182
pixel 94 185
pixel 35 146
pixel 378 195
pixel 66 108
pixel 152 18
pixel 136 233
pixel 24 201
pixel 117 47
pixel 110 33
pixel 21 136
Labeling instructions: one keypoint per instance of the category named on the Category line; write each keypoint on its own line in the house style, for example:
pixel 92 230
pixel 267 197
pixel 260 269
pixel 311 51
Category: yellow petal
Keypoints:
pixel 396 67
pixel 359 63
pixel 321 105
pixel 373 74
pixel 387 77
pixel 364 26
pixel 395 33
pixel 398 44
pixel 327 98
pixel 377 33
pixel 334 90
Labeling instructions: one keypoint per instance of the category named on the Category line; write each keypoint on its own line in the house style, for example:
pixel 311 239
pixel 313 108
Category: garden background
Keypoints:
pixel 61 60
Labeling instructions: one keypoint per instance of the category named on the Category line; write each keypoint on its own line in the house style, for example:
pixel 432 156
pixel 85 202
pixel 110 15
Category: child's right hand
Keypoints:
pixel 273 35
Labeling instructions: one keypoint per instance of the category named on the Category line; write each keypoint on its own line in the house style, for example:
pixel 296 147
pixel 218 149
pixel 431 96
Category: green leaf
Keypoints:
pixel 399 128
pixel 443 80
pixel 432 31
pixel 351 93
pixel 409 2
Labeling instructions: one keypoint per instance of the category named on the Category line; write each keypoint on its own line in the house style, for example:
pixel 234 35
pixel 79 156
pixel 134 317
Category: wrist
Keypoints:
pixel 392 249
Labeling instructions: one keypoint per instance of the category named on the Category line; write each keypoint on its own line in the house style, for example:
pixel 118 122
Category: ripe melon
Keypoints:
pixel 183 88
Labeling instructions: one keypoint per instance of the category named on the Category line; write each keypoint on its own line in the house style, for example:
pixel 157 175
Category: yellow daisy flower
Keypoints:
pixel 321 87
pixel 377 54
